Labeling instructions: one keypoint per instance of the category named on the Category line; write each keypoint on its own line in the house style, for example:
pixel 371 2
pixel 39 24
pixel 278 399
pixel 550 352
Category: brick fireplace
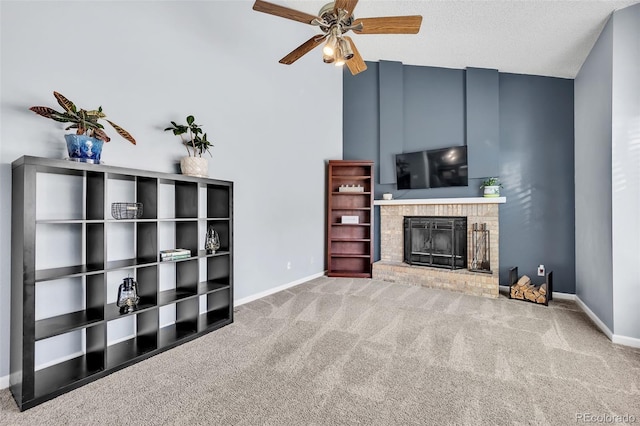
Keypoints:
pixel 391 267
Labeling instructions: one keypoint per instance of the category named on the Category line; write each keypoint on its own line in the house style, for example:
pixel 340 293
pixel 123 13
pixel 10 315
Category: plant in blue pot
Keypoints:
pixel 86 144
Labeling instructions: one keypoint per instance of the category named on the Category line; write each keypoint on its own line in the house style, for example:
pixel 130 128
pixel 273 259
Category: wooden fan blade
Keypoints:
pixel 302 50
pixel 347 5
pixel 356 64
pixel 389 25
pixel 283 12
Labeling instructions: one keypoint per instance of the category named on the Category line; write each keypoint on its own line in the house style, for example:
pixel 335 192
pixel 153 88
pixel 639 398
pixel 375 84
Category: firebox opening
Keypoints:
pixel 435 241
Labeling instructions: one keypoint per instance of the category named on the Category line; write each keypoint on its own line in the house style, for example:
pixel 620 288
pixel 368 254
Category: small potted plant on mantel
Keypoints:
pixel 196 144
pixel 491 187
pixel 86 144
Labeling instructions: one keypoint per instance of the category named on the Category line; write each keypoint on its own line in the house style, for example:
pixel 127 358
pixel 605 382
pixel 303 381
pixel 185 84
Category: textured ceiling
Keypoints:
pixel 541 37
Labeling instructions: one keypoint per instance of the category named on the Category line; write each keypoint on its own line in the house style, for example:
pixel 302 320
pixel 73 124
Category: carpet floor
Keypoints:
pixel 359 351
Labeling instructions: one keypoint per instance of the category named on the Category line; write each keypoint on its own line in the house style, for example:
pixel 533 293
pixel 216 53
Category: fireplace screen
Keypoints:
pixel 436 241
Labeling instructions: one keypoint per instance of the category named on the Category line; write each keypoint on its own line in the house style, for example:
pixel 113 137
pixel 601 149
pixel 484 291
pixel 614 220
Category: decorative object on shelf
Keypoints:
pixel 334 20
pixel 86 144
pixel 196 144
pixel 387 196
pixel 174 254
pixel 350 219
pixel 121 211
pixel 350 188
pixel 491 187
pixel 212 241
pixel 127 295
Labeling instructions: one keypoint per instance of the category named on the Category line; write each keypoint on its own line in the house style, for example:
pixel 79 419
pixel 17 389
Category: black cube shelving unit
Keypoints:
pixel 69 257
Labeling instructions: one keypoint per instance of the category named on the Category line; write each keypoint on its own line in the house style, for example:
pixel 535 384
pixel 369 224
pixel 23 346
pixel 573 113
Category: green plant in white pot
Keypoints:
pixel 491 186
pixel 196 144
pixel 86 143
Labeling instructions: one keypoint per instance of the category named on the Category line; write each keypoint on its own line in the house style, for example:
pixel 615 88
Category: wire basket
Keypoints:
pixel 121 211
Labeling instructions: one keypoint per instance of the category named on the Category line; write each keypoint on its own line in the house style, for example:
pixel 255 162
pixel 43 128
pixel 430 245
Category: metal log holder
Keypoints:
pixel 513 279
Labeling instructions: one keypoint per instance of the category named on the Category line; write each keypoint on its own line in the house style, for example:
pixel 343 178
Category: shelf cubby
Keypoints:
pixel 95 189
pixel 54 379
pixel 147 194
pixel 185 325
pixel 186 199
pixel 78 363
pixel 147 241
pixel 218 267
pixel 213 285
pixel 69 256
pixel 187 235
pixel 218 202
pixel 218 310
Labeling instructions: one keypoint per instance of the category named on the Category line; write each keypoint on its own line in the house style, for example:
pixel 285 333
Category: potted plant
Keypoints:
pixel 196 144
pixel 86 144
pixel 491 187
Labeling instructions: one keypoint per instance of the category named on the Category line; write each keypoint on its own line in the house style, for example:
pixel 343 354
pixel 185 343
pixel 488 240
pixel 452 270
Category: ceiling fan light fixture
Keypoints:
pixel 339 57
pixel 328 59
pixel 332 42
pixel 328 49
pixel 345 49
pixel 334 20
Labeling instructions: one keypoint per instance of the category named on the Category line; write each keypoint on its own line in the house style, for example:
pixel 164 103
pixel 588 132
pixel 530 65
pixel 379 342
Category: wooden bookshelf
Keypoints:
pixel 350 245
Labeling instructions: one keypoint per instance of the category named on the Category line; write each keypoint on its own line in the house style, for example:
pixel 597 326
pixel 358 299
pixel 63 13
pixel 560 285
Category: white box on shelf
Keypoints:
pixel 350 219
pixel 350 188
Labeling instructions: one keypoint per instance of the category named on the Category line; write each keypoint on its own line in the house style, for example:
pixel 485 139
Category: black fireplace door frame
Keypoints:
pixel 457 225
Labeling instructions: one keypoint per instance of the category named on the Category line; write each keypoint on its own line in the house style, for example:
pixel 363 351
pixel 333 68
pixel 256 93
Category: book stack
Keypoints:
pixel 174 254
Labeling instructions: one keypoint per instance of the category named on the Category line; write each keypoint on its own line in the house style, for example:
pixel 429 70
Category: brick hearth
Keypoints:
pixel 391 266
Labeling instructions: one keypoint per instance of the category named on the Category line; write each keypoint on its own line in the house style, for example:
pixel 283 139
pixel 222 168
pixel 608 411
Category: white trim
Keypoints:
pixel 627 341
pixel 4 382
pixel 467 200
pixel 597 321
pixel 563 296
pixel 275 289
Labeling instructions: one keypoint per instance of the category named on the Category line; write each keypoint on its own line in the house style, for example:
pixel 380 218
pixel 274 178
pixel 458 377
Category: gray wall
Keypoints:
pixel 159 61
pixel 594 265
pixel 625 153
pixel 607 110
pixel 535 154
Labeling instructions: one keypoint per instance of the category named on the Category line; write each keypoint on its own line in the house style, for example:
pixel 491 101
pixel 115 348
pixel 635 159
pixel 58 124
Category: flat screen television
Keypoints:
pixel 434 168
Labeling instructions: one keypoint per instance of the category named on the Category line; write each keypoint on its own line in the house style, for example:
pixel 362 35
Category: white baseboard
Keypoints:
pixel 597 321
pixel 626 341
pixel 563 296
pixel 4 382
pixel 275 289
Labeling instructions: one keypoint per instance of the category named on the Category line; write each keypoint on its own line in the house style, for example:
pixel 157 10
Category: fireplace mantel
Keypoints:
pixel 467 200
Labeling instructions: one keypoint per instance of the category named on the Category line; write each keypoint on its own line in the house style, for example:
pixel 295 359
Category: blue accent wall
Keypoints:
pixel 534 151
pixel 537 223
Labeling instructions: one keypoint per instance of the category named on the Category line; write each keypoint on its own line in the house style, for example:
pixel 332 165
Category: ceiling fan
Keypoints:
pixel 334 20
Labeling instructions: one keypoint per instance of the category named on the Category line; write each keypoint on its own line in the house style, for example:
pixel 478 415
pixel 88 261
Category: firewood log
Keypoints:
pixel 524 280
pixel 543 289
pixel 541 299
